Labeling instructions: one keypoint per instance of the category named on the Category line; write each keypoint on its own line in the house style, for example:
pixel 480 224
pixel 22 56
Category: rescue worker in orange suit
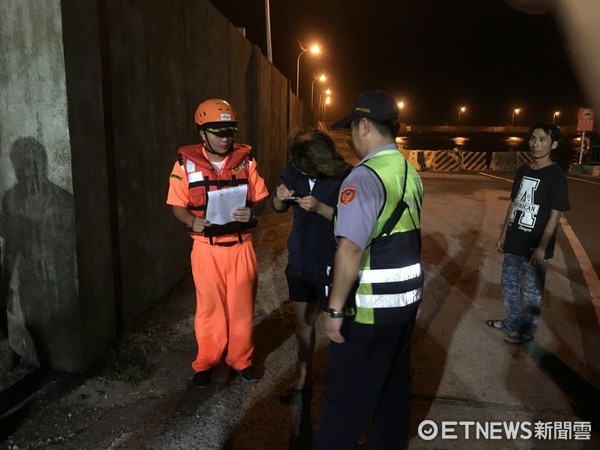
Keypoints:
pixel 223 258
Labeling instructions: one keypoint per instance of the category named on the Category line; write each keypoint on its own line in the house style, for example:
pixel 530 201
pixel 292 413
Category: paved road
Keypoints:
pixel 584 195
pixel 462 370
pixel 475 376
pixel 584 216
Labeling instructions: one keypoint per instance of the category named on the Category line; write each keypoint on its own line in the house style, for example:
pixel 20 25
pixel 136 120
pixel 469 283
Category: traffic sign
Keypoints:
pixel 585 119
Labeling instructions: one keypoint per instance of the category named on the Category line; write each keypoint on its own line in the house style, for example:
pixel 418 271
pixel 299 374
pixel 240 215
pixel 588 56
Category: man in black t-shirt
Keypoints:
pixel 539 195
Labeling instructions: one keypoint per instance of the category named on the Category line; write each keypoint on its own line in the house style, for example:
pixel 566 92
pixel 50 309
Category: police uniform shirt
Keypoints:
pixel 360 201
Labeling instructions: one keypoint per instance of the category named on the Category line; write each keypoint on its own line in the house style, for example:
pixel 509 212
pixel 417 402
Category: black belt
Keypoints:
pixel 226 244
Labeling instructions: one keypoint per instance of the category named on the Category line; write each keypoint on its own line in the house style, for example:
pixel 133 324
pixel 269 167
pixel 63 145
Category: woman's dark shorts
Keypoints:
pixel 304 287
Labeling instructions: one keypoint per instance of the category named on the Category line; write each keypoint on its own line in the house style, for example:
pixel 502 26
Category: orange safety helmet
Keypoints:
pixel 215 113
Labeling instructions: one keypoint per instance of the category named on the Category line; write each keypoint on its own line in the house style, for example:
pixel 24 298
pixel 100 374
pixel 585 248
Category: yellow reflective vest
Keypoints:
pixel 390 274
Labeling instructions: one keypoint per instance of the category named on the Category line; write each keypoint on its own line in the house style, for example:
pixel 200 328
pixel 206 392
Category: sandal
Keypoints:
pixel 517 338
pixel 496 324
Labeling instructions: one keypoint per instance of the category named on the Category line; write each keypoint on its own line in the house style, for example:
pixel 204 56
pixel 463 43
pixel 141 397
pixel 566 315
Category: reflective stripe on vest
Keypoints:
pixel 388 300
pixel 390 275
pixel 190 170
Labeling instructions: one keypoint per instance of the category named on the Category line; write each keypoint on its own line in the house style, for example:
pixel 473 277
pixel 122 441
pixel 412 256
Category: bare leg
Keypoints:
pixel 306 315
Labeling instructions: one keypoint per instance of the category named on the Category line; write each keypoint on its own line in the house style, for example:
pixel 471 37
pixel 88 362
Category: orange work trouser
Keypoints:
pixel 225 279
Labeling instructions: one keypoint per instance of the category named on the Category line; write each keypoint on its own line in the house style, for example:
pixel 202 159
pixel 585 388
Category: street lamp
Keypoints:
pixel 312 86
pixel 461 110
pixel 554 116
pixel 321 111
pixel 512 118
pixel 401 105
pixel 327 102
pixel 315 50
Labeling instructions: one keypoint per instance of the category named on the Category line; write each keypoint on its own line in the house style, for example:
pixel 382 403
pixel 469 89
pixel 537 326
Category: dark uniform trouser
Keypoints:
pixel 368 377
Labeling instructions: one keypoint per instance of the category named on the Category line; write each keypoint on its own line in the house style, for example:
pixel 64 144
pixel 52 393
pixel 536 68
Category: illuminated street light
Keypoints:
pixel 326 92
pixel 516 111
pixel 555 115
pixel 315 50
pixel 312 86
pixel 401 106
pixel 321 111
pixel 327 102
pixel 461 110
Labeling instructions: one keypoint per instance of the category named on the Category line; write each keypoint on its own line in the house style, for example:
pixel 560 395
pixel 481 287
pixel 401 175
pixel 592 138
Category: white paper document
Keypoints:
pixel 222 202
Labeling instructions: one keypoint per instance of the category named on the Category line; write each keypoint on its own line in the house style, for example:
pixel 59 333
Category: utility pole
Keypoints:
pixel 268 22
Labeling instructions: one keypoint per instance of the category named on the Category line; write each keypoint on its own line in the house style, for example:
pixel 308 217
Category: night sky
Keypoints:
pixel 435 54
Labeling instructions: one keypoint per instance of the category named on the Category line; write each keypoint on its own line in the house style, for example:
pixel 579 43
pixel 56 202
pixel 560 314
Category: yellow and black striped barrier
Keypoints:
pixel 456 160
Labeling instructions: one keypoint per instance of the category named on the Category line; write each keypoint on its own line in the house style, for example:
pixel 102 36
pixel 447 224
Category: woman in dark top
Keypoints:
pixel 310 183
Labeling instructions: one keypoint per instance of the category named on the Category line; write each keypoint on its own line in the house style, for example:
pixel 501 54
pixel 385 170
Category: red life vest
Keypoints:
pixel 203 177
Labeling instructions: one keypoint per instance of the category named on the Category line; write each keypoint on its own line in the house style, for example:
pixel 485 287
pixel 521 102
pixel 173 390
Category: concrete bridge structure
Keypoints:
pixel 410 128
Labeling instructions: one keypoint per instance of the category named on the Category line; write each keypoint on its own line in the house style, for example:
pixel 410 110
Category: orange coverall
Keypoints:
pixel 225 276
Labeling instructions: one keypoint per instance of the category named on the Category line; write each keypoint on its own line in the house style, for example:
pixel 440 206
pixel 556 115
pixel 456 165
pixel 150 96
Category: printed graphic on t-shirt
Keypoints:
pixel 524 202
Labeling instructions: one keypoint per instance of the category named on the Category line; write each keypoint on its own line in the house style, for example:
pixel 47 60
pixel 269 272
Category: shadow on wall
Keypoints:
pixel 37 227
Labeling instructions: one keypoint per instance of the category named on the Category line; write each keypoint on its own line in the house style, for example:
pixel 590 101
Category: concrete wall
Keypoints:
pixel 106 91
pixel 34 175
pixel 151 69
pixel 93 178
pixel 165 58
pixel 52 205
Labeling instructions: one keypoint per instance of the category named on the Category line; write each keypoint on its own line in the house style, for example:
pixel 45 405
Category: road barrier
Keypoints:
pixel 504 161
pixel 524 158
pixel 454 161
pixel 447 161
pixel 476 161
pixel 595 154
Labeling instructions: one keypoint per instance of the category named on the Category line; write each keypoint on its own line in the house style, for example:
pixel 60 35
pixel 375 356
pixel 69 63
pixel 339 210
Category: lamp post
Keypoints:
pixel 315 50
pixel 268 26
pixel 321 111
pixel 325 103
pixel 401 105
pixel 554 116
pixel 312 87
pixel 516 111
pixel 461 110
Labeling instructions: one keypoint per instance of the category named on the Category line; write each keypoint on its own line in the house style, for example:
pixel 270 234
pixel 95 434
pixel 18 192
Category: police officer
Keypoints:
pixel 377 286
